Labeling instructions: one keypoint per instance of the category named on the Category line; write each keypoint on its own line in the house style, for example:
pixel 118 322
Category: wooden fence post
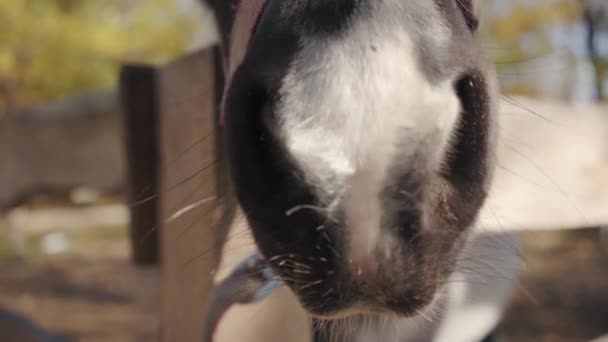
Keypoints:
pixel 194 208
pixel 139 99
pixel 177 182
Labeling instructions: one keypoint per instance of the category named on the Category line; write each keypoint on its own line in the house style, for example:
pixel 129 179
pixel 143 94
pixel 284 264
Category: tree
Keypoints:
pixel 516 33
pixel 50 48
pixel 595 16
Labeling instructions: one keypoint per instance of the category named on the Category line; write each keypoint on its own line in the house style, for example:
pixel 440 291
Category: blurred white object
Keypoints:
pixel 601 339
pixel 55 243
pixel 477 299
pixel 43 220
pixel 84 195
pixel 552 167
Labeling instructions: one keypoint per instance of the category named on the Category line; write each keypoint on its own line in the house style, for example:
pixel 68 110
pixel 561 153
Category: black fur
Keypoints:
pixel 267 183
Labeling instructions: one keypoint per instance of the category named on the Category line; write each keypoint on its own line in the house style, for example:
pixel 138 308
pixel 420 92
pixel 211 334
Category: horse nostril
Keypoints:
pixel 468 155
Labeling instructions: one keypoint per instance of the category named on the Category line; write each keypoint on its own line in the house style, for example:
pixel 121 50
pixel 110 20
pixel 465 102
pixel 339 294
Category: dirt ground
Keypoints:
pixel 93 293
pixel 564 290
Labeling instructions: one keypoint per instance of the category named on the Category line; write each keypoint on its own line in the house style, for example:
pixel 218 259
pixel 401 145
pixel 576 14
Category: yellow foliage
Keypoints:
pixel 53 47
pixel 524 18
pixel 504 35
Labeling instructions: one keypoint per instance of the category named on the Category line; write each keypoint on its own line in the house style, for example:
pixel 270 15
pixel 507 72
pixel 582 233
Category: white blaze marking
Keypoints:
pixel 348 102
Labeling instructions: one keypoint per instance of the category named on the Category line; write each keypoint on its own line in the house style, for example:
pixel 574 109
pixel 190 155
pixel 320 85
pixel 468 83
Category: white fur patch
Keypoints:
pixel 351 103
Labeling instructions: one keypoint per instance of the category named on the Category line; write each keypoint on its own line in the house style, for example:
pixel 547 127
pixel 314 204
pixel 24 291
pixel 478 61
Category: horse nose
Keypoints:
pixel 363 266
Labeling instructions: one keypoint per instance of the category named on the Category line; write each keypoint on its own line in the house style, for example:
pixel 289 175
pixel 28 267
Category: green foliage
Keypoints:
pixel 50 48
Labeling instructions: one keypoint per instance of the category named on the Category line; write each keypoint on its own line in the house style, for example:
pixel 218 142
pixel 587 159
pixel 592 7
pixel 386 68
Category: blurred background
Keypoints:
pixel 64 238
